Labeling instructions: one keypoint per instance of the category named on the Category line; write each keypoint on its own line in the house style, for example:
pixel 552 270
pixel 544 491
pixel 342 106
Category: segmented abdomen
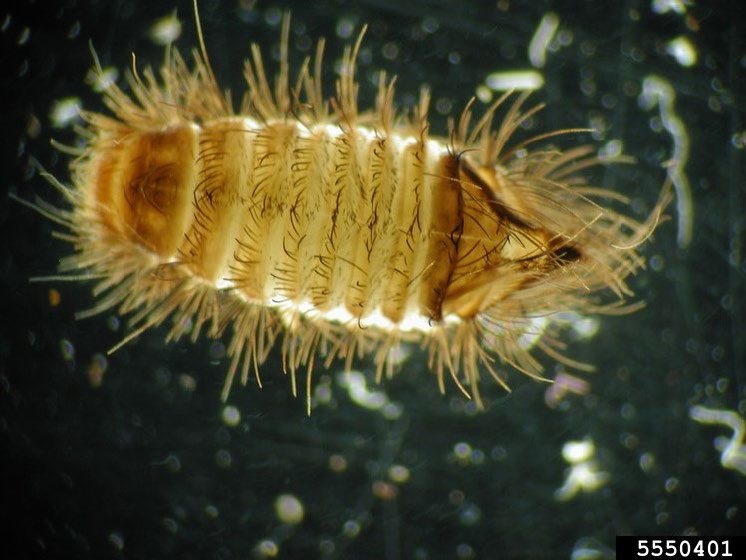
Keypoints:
pixel 338 224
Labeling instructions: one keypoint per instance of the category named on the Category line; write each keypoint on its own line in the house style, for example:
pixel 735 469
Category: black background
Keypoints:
pixel 85 469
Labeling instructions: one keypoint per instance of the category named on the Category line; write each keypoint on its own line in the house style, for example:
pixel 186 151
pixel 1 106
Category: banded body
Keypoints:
pixel 344 233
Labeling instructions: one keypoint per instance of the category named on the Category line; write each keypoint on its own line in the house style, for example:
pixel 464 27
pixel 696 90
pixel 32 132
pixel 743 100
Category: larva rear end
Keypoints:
pixel 141 184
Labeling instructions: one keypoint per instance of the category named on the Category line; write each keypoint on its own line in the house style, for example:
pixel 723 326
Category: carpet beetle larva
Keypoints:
pixel 337 232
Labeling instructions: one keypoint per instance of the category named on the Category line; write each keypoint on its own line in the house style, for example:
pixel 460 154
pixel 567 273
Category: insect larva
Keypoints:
pixel 339 232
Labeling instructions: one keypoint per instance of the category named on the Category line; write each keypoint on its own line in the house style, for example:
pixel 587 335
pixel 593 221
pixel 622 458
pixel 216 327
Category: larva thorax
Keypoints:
pixel 341 224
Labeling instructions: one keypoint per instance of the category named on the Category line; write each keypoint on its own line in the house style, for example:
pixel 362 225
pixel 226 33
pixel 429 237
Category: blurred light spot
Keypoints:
pixel 356 385
pixel 470 515
pixel 477 457
pixel 738 140
pixel 384 490
pixel 575 452
pixel 345 27
pixel 187 382
pixel 351 529
pixel 671 484
pixel 211 511
pixel 322 393
pixel 67 350
pixel 564 38
pixel 267 549
pixel 484 94
pixel 657 262
pixel 533 333
pixel 456 497
pixel 722 384
pixel 273 16
pixel 647 462
pixel 113 323
pixel 231 416
pixel 537 48
pixel 289 509
pixel 430 24
pixel 74 30
pixel 390 51
pixel 658 91
pixel 462 451
pixel 599 126
pixel 398 354
pixel 96 370
pixel 515 79
pixel 465 551
pixel 54 297
pixel 172 464
pixel 443 105
pixel 103 80
pixel 392 411
pixel 498 453
pixel 583 474
pixel 337 463
pixel 609 101
pixel 327 548
pixel 682 49
pixel 733 450
pixel 65 111
pixel 575 321
pixel 170 525
pixel 665 6
pixel 166 30
pixel 24 36
pixel 116 539
pixel 611 150
pixel 223 458
pixel 628 411
pixel 398 473
pixel 33 126
pixel 587 548
pixel 217 350
pixel 564 384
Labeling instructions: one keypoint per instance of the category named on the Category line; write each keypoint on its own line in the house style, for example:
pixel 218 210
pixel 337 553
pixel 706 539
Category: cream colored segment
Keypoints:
pixel 348 203
pixel 380 235
pixel 243 269
pixel 274 209
pixel 421 264
pixel 230 198
pixel 356 265
pixel 351 204
pixel 316 215
pixel 183 216
pixel 404 212
pixel 284 270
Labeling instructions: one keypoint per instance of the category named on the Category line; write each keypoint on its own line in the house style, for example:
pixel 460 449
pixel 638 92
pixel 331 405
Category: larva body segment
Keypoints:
pixel 343 233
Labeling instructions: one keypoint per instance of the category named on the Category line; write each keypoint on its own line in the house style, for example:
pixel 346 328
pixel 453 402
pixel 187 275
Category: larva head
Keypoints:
pixel 555 240
pixel 505 248
pixel 141 184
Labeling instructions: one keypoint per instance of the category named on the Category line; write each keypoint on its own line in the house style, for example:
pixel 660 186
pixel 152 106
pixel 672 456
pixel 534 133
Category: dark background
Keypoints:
pixel 144 466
